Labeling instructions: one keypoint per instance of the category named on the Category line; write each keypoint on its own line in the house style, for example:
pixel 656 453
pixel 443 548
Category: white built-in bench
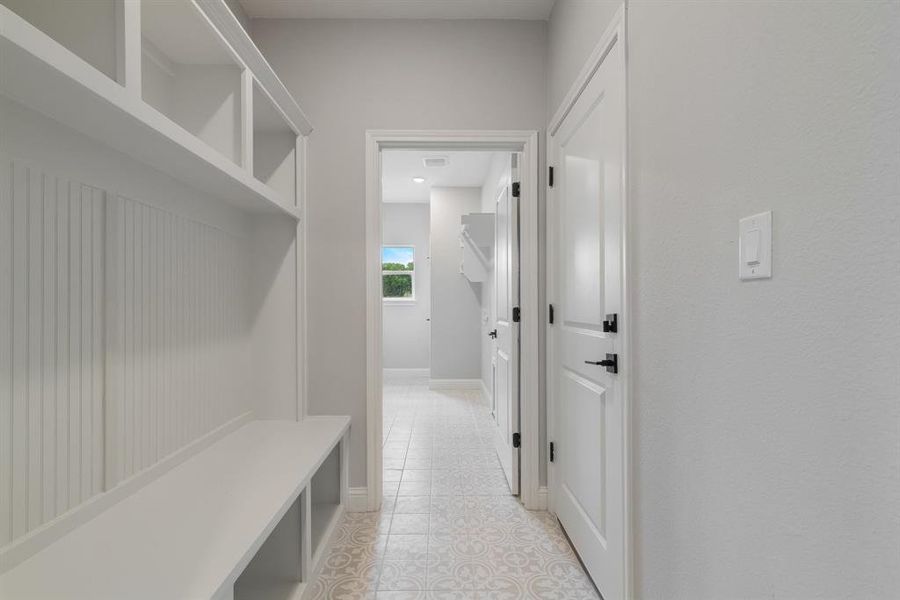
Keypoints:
pixel 248 517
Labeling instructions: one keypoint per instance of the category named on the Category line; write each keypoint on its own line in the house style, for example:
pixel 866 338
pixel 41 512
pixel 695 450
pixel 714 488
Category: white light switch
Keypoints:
pixel 755 247
pixel 750 247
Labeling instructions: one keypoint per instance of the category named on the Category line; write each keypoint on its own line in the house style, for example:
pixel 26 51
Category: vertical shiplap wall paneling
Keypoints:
pixel 48 358
pixel 170 380
pixel 6 249
pixel 19 374
pixel 51 281
pixel 34 202
pixel 115 341
pixel 124 336
pixel 61 345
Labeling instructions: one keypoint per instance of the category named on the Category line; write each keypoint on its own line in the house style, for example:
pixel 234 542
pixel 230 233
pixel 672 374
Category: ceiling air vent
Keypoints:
pixel 435 161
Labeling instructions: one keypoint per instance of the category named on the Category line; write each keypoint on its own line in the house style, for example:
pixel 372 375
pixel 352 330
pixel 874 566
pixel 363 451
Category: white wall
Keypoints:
pixel 574 29
pixel 406 329
pixel 455 302
pixel 350 76
pixel 765 413
pixel 86 27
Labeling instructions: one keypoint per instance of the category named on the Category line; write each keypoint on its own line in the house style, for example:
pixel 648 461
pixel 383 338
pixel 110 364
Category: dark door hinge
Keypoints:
pixel 550 176
pixel 517 440
pixel 550 315
pixel 516 189
pixel 552 451
pixel 611 324
pixel 517 314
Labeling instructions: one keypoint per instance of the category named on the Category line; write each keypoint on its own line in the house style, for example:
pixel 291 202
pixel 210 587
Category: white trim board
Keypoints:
pixel 408 372
pixel 615 33
pixel 454 384
pixel 525 142
pixel 359 499
pixel 485 393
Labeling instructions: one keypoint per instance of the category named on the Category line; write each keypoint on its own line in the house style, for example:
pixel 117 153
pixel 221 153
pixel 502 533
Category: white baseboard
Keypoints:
pixel 454 384
pixel 485 394
pixel 407 372
pixel 359 500
pixel 541 499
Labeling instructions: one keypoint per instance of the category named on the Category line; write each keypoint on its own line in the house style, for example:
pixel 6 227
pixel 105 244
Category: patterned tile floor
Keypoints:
pixel 449 527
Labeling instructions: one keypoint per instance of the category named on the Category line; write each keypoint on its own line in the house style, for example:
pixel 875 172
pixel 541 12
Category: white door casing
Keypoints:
pixel 526 144
pixel 588 411
pixel 506 343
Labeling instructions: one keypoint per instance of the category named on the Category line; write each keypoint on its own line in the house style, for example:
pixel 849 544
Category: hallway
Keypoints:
pixel 448 527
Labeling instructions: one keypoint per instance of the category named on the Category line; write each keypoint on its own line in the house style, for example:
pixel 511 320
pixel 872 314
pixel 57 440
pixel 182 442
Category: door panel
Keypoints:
pixel 588 473
pixel 582 301
pixel 506 346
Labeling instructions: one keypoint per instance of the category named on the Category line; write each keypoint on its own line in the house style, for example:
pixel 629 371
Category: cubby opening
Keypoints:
pixel 325 490
pixel 190 75
pixel 86 27
pixel 274 148
pixel 275 572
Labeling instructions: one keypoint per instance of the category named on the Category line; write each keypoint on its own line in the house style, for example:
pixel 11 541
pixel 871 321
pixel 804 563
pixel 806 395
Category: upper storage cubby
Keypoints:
pixel 86 27
pixel 190 75
pixel 274 147
pixel 170 83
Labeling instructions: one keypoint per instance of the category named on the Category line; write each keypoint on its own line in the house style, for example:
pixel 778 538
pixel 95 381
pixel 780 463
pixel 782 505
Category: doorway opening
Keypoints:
pixel 452 248
pixel 450 346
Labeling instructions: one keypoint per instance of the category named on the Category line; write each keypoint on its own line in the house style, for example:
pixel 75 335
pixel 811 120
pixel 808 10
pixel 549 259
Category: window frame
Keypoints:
pixel 411 299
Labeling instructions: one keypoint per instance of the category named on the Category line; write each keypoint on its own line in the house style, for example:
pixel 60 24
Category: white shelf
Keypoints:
pixel 227 24
pixel 41 74
pixel 478 228
pixel 476 239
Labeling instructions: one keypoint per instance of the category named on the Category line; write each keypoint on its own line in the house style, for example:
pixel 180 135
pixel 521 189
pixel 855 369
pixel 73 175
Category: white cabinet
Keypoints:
pixel 476 243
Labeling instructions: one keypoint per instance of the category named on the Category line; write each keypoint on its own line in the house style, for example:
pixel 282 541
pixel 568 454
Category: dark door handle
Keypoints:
pixel 611 363
pixel 493 334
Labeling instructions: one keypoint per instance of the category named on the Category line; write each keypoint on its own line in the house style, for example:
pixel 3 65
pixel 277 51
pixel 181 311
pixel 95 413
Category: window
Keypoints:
pixel 398 276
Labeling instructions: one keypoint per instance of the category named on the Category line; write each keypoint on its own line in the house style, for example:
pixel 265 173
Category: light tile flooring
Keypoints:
pixel 449 527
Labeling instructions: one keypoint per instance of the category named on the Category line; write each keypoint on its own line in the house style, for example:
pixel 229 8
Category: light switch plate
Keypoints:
pixel 755 246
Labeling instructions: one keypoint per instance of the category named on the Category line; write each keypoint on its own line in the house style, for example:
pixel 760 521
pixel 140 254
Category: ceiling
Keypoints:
pixel 529 10
pixel 464 169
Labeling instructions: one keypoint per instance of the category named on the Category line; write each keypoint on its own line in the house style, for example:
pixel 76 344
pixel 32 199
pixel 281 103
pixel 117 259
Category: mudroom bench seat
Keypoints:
pixel 247 517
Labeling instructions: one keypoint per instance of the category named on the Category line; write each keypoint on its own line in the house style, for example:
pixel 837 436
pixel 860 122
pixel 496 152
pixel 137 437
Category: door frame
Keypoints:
pixel 525 142
pixel 614 34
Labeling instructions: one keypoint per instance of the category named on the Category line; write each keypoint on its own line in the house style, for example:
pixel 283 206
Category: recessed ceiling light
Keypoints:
pixel 419 179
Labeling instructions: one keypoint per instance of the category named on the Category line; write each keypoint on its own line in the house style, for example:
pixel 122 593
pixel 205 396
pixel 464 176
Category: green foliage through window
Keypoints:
pixel 398 269
pixel 397 286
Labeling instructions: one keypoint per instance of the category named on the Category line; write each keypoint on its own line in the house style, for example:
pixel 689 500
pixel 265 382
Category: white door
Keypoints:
pixel 588 417
pixel 506 346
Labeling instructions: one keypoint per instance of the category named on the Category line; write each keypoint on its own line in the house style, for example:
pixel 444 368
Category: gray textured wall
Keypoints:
pixel 455 302
pixel 350 76
pixel 405 338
